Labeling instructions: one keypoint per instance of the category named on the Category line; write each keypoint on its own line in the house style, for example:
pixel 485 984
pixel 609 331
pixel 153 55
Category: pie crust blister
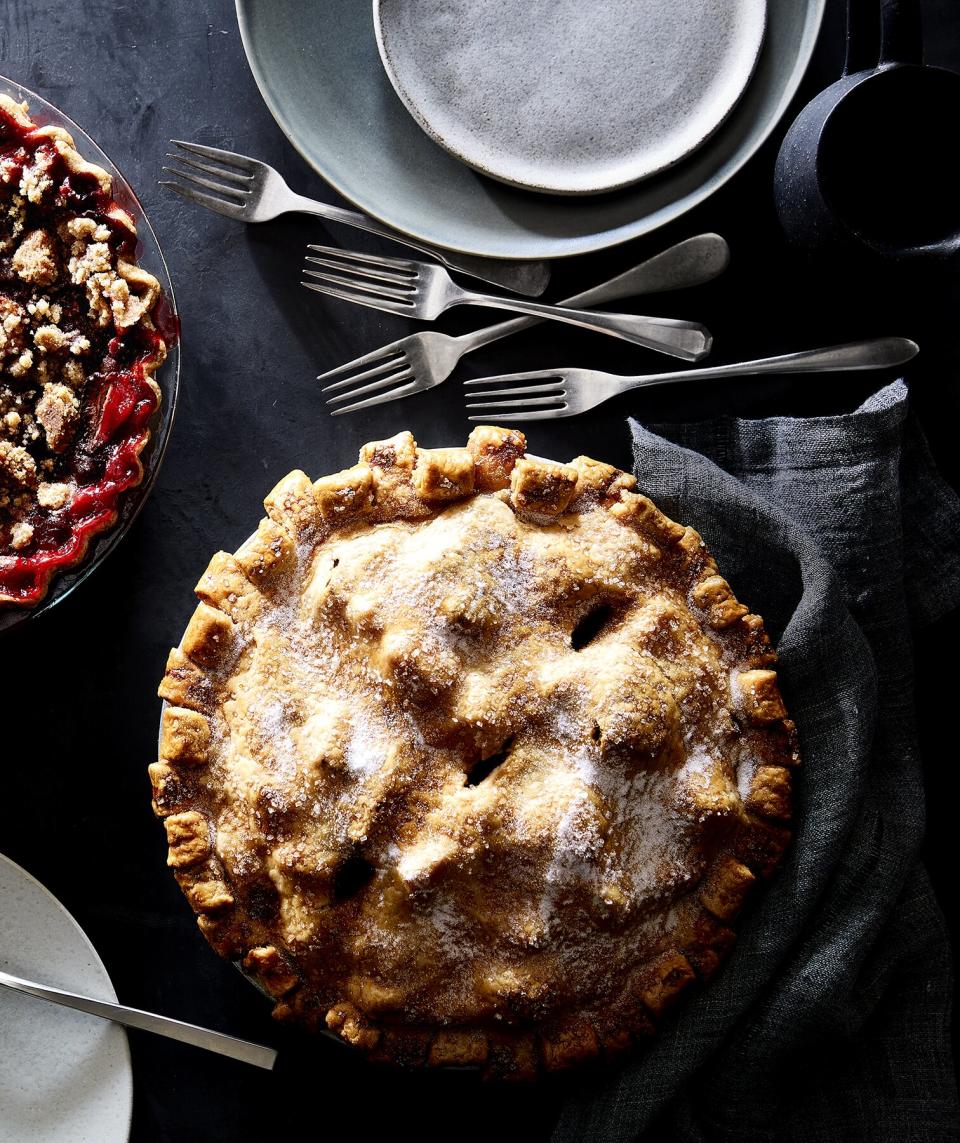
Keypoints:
pixel 472 758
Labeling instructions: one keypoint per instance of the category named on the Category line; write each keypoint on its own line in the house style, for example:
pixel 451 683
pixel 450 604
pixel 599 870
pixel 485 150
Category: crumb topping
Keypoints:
pixel 73 304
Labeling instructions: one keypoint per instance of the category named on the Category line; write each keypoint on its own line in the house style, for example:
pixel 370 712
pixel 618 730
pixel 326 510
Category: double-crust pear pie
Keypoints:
pixel 471 757
pixel 79 343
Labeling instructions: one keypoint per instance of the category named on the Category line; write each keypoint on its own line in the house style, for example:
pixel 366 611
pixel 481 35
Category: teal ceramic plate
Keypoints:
pixel 318 68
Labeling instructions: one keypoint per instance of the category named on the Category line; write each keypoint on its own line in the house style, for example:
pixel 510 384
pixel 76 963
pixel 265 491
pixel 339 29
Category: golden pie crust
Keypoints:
pixel 472 758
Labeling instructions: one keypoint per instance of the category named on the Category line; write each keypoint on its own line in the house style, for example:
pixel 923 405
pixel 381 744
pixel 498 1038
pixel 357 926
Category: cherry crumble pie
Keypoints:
pixel 79 343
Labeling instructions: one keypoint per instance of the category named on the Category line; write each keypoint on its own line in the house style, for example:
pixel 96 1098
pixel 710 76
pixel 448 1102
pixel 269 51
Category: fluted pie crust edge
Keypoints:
pixel 740 826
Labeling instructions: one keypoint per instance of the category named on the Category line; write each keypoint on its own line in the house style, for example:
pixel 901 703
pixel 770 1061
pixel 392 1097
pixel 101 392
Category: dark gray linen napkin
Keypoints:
pixel 831 1019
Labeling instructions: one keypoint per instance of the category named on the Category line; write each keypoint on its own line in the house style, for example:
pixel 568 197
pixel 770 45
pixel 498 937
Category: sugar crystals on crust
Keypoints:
pixel 482 773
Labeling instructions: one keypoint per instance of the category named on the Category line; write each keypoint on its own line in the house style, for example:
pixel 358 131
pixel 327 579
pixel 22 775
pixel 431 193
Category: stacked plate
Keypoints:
pixel 528 128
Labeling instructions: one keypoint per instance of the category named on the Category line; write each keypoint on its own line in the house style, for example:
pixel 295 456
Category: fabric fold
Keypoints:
pixel 838 531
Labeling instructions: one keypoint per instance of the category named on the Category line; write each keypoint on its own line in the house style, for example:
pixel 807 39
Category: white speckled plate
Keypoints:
pixel 568 96
pixel 63 1075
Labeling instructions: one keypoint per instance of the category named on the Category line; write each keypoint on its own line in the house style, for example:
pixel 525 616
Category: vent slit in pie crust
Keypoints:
pixel 472 758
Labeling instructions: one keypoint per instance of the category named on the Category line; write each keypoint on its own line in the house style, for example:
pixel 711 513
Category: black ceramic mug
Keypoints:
pixel 868 167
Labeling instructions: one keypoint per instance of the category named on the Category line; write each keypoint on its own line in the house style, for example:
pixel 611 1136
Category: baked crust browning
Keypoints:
pixel 495 452
pixel 472 759
pixel 184 736
pixel 185 684
pixel 173 789
pixel 272 970
pixel 539 488
pixel 443 473
pixel 208 639
pixel 293 508
pixel 188 838
pixel 345 496
pixel 601 482
pixel 230 583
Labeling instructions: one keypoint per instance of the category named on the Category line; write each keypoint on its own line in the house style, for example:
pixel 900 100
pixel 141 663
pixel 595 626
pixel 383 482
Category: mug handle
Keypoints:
pixel 901 38
pixel 863 37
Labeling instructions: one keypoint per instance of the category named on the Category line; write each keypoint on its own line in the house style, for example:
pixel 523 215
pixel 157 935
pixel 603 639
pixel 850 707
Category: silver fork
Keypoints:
pixel 567 392
pixel 422 361
pixel 219 1042
pixel 251 191
pixel 421 290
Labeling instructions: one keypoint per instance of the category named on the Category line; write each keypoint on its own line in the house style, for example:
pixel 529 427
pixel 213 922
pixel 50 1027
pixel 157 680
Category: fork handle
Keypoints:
pixel 691 262
pixel 875 353
pixel 218 1042
pixel 524 277
pixel 687 340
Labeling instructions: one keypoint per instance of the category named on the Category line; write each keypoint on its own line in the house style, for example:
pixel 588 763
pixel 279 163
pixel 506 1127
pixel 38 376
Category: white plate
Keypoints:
pixel 566 96
pixel 63 1075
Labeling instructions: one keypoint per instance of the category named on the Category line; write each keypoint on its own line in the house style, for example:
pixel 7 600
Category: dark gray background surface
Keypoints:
pixel 77 689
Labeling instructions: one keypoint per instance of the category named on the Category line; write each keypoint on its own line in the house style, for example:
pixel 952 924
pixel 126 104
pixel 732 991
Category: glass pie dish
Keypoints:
pixel 149 256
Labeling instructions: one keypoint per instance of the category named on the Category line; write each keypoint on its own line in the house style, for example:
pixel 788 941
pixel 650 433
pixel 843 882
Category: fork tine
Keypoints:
pixel 382 399
pixel 361 299
pixel 375 259
pixel 374 386
pixel 381 354
pixel 551 388
pixel 219 205
pixel 532 375
pixel 397 279
pixel 396 362
pixel 223 172
pixel 529 404
pixel 368 288
pixel 228 158
pixel 190 177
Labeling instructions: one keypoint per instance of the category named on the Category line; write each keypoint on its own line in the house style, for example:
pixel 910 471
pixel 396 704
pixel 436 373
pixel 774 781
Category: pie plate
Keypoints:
pixel 167 377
